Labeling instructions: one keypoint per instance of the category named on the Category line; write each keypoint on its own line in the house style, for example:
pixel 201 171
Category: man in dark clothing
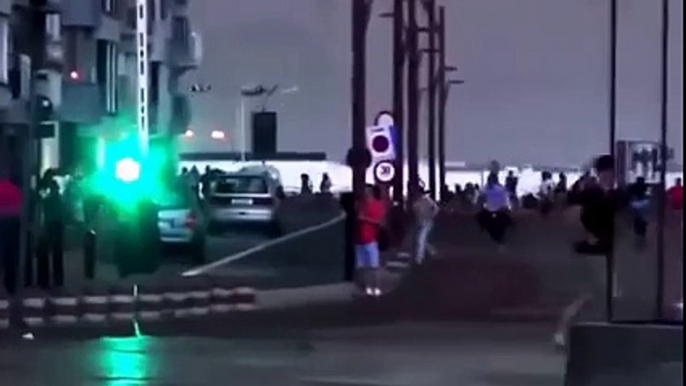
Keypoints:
pixel 511 183
pixel 51 247
pixel 600 202
pixel 10 209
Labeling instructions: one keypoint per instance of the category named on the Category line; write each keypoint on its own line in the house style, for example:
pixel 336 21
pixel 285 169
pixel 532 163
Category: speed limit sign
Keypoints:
pixel 384 171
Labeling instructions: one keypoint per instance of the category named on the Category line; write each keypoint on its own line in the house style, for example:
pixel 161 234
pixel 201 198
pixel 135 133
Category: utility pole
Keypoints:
pixel 430 6
pixel 360 19
pixel 662 196
pixel 399 55
pixel 442 98
pixel 413 99
pixel 37 47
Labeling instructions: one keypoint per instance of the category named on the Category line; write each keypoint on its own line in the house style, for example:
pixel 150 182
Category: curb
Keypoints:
pixel 127 302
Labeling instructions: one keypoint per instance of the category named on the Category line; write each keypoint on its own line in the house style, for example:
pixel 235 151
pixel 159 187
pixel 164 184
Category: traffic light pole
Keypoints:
pixel 430 6
pixel 442 99
pixel 28 226
pixel 413 100
pixel 399 55
pixel 143 66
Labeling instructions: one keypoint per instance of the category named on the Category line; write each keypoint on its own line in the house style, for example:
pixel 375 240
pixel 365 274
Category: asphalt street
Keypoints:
pixel 303 258
pixel 393 354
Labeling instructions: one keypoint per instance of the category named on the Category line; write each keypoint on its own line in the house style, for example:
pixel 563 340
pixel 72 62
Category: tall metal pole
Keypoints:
pixel 431 100
pixel 29 159
pixel 662 197
pixel 360 17
pixel 399 55
pixel 610 274
pixel 143 65
pixel 442 99
pixel 413 99
pixel 613 76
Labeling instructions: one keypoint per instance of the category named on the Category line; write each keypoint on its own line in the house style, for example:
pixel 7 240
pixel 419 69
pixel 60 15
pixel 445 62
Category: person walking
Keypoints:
pixel 425 211
pixel 371 213
pixel 326 185
pixel 494 216
pixel 640 205
pixel 546 194
pixel 51 244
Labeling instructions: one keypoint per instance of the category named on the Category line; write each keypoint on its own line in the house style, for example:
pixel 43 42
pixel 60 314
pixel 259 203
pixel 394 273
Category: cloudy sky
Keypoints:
pixel 536 74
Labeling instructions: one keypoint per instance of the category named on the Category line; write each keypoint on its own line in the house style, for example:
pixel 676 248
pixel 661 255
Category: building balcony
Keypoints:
pixel 184 50
pixel 82 103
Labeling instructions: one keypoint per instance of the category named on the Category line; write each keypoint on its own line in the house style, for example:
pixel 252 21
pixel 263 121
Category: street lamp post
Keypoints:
pixel 413 99
pixel 430 6
pixel 399 55
pixel 360 20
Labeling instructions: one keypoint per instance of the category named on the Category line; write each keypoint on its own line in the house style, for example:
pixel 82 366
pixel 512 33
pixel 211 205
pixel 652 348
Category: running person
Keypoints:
pixel 600 202
pixel 371 213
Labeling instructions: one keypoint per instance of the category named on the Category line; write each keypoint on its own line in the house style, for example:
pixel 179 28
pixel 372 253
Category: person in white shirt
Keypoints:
pixel 546 193
pixel 425 211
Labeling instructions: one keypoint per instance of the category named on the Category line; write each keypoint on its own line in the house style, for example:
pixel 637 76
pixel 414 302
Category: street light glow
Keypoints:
pixel 128 170
pixel 189 134
pixel 218 134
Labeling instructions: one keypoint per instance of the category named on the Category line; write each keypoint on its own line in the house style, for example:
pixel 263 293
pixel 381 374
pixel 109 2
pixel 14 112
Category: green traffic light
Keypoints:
pixel 128 170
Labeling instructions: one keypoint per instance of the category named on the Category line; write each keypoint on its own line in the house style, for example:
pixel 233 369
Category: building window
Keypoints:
pixel 53 27
pixel 4 50
pixel 108 68
pixel 109 6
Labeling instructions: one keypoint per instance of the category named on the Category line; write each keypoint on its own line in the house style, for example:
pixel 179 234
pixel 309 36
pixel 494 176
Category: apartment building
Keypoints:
pixel 90 74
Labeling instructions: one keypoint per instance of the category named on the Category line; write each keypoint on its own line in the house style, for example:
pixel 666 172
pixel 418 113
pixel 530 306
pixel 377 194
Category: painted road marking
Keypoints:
pixel 258 248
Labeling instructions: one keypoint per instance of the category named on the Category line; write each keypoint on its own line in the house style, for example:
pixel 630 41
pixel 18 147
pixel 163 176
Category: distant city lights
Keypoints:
pixel 218 134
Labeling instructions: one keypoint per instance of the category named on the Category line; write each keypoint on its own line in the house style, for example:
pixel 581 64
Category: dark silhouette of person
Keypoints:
pixel 51 244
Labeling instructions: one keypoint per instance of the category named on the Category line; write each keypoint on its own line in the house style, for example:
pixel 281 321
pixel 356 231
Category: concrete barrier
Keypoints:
pixel 604 354
pixel 122 303
pixel 95 304
pixel 34 308
pixel 226 297
pixel 149 302
pixel 63 308
pixel 4 310
pixel 177 300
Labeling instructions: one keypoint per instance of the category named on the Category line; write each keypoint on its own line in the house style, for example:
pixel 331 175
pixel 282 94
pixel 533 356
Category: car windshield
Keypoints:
pixel 241 185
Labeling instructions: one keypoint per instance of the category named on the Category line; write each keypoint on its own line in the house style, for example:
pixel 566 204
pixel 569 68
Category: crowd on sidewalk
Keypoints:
pixel 595 194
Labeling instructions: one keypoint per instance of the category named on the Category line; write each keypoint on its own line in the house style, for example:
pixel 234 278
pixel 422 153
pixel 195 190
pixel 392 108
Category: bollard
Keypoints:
pixel 34 307
pixel 89 254
pixel 4 310
pixel 63 308
pixel 150 302
pixel 122 303
pixel 95 304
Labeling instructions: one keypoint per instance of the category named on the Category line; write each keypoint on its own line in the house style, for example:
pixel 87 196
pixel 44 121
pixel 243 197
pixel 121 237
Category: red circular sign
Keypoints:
pixel 380 144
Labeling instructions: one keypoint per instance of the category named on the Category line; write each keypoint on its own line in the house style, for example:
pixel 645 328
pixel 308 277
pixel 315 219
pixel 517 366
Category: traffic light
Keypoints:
pixel 126 178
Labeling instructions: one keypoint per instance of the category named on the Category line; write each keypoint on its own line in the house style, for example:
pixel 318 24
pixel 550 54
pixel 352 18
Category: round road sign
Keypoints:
pixel 384 171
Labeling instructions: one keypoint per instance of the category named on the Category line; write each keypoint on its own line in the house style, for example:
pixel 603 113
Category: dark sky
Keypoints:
pixel 536 73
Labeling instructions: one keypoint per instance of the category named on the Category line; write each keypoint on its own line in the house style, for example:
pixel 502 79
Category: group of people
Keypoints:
pixel 372 217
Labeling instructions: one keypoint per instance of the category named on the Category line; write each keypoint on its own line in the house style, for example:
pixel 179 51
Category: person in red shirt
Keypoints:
pixel 371 212
pixel 676 195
